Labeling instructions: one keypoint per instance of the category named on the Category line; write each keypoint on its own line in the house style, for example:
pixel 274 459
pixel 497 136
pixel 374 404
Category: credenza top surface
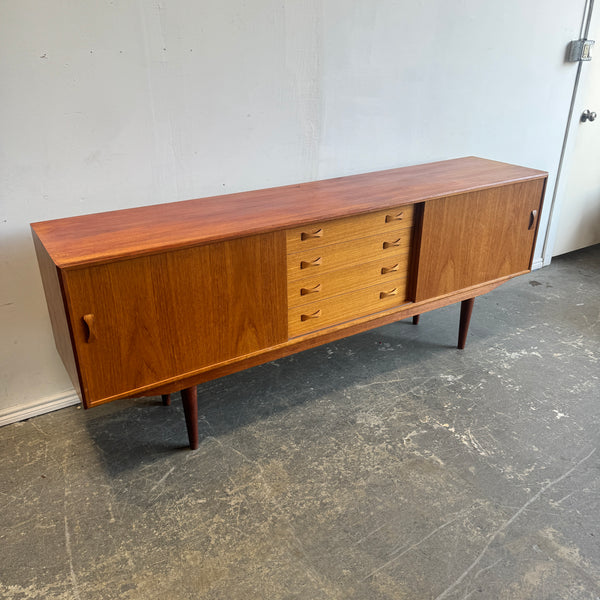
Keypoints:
pixel 98 238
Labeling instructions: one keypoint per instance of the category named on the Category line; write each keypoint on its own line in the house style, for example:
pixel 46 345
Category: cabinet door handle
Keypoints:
pixel 90 325
pixel 392 269
pixel 305 291
pixel 305 264
pixel 305 235
pixel 532 217
pixel 314 315
pixel 396 217
pixel 391 244
pixel 383 295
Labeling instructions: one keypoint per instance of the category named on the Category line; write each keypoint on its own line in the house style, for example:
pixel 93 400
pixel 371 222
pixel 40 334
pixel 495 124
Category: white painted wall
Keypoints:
pixel 118 103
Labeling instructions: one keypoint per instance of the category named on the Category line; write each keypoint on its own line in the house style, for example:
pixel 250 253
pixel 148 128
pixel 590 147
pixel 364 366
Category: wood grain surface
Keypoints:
pixel 160 298
pixel 317 338
pixel 347 279
pixel 155 317
pixel 387 246
pixel 122 234
pixel 56 308
pixel 477 237
pixel 345 307
pixel 338 231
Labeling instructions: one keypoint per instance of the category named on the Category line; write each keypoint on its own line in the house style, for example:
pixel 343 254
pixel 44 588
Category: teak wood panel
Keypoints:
pixel 116 235
pixel 318 287
pixel 57 312
pixel 145 353
pixel 477 237
pixel 324 233
pixel 346 307
pixel 330 334
pixel 160 316
pixel 386 245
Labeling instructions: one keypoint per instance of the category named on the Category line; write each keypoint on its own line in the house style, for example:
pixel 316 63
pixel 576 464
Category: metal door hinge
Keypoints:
pixel 580 50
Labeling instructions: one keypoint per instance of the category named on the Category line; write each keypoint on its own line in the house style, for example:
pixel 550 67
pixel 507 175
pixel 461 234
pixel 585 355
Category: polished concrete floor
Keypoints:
pixel 386 466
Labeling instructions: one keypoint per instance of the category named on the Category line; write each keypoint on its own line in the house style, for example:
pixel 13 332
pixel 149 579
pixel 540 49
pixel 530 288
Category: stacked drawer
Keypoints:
pixel 347 268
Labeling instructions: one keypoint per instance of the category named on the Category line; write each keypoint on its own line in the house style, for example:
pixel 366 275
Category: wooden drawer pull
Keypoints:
pixel 532 217
pixel 311 236
pixel 305 291
pixel 393 292
pixel 315 315
pixel 393 269
pixel 305 264
pixel 90 325
pixel 397 217
pixel 391 244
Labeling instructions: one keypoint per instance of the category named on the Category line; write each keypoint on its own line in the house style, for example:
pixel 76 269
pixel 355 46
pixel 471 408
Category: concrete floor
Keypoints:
pixel 386 466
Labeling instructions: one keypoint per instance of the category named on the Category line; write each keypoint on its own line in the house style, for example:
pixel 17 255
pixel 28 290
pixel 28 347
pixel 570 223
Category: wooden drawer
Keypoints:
pixel 341 230
pixel 320 286
pixel 345 307
pixel 386 245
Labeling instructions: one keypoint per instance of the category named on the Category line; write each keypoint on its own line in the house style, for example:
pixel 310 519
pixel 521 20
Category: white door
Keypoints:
pixel 579 219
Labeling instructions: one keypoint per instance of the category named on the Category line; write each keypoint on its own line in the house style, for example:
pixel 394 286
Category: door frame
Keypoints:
pixel 568 147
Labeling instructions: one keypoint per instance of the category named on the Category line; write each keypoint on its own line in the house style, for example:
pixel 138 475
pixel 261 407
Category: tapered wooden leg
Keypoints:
pixel 190 409
pixel 416 319
pixel 166 399
pixel 466 309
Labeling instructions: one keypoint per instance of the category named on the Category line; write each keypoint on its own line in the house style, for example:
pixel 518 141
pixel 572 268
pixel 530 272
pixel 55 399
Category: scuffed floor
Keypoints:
pixel 386 466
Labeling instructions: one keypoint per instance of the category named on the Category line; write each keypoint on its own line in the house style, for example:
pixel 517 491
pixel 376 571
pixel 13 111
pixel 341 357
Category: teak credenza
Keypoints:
pixel 153 300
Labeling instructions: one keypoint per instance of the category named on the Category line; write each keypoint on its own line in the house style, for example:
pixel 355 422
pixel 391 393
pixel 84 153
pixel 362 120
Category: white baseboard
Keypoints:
pixel 48 404
pixel 538 263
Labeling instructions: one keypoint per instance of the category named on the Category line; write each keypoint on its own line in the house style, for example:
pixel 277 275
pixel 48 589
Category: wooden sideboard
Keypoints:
pixel 157 299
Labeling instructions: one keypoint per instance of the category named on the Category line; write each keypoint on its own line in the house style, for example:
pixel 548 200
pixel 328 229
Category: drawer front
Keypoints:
pixel 386 246
pixel 318 287
pixel 341 230
pixel 332 311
